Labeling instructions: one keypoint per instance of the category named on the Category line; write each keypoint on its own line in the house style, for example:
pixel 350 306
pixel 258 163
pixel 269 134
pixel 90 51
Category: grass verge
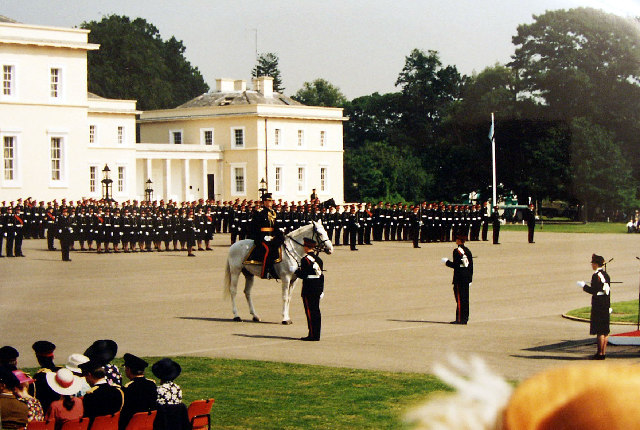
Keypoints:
pixel 591 227
pixel 269 395
pixel 622 312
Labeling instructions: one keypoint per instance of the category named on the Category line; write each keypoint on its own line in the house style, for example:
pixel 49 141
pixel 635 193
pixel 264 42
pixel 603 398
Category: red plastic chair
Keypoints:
pixel 41 425
pixel 77 424
pixel 198 412
pixel 106 422
pixel 142 421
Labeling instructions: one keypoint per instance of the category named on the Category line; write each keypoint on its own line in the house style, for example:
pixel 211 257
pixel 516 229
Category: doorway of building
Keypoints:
pixel 211 192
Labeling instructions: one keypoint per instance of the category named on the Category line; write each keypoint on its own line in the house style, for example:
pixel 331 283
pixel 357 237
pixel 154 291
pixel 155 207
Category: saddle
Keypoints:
pixel 257 253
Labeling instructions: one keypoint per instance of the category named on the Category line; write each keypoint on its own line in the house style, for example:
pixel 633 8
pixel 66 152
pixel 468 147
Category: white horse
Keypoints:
pixel 292 253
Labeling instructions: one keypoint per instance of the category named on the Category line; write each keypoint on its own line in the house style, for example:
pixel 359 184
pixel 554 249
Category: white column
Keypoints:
pixel 149 169
pixel 186 179
pixel 205 183
pixel 167 179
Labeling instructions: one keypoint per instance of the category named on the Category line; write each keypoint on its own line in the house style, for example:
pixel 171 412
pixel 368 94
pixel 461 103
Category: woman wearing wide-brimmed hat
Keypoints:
pixel 172 413
pixel 69 407
pixel 103 351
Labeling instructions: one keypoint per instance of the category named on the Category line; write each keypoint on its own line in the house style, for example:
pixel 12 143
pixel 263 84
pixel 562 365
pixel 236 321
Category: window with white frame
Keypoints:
pixel 237 137
pixel 92 134
pixel 276 136
pixel 55 87
pixel 323 138
pixel 93 171
pixel 300 137
pixel 278 182
pixel 176 137
pixel 207 136
pixel 8 80
pixel 323 179
pixel 57 152
pixel 122 178
pixel 9 156
pixel 238 179
pixel 120 135
pixel 301 179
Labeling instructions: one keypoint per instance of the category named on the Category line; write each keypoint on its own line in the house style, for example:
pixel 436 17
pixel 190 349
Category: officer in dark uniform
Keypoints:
pixel 530 218
pixel 310 272
pixel 3 229
pixel 495 225
pixel 20 225
pixel 352 225
pixel 65 233
pixel 486 216
pixel 415 223
pixel 600 290
pixel 102 399
pixel 462 266
pixel 140 395
pixel 44 354
pixel 266 236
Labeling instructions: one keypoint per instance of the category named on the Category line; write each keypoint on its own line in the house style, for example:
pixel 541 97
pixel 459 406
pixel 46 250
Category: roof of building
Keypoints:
pixel 7 19
pixel 248 97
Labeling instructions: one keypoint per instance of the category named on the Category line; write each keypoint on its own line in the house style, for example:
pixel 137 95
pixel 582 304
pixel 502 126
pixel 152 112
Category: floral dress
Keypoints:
pixel 169 393
pixel 113 374
pixel 35 412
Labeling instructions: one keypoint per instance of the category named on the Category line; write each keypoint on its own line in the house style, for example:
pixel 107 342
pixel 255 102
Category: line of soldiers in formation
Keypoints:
pixel 145 226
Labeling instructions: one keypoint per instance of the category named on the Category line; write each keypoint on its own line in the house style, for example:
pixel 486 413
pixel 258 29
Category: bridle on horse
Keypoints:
pixel 321 243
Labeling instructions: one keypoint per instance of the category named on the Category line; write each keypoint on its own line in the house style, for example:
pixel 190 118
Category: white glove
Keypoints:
pixel 268 238
pixel 581 284
pixel 444 260
pixel 321 295
pixel 606 289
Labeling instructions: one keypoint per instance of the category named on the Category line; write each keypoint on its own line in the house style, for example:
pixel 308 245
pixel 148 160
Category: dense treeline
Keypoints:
pixel 567 109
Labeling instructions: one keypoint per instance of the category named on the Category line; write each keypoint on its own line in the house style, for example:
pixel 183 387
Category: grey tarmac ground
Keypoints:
pixel 386 306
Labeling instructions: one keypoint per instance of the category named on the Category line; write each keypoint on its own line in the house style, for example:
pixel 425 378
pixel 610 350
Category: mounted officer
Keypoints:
pixel 267 238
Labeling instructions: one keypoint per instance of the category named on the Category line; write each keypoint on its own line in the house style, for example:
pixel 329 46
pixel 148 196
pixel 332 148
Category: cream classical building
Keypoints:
pixel 222 144
pixel 57 138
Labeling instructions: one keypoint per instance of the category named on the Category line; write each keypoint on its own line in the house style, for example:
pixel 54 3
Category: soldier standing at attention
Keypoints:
pixel 462 266
pixel 600 290
pixel 310 272
pixel 495 225
pixel 530 218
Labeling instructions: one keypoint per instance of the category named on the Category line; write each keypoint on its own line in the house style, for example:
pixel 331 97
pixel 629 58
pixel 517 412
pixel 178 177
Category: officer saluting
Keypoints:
pixel 310 272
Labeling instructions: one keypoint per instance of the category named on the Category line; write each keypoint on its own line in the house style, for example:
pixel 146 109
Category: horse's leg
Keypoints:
pixel 248 284
pixel 287 289
pixel 233 289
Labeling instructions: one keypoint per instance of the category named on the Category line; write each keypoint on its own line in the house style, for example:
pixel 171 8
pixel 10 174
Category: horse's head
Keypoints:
pixel 321 237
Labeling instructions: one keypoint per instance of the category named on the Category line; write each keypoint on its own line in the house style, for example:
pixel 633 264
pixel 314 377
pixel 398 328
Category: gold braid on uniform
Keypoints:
pixel 271 215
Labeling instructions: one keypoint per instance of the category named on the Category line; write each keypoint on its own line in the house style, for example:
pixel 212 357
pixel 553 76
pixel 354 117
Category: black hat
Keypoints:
pixel 90 366
pixel 166 369
pixel 43 348
pixel 102 351
pixel 8 353
pixel 462 237
pixel 134 363
pixel 597 259
pixel 309 242
pixel 267 196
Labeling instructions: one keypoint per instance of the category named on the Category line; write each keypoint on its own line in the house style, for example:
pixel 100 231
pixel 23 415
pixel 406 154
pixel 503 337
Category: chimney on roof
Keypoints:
pixel 264 85
pixel 224 85
pixel 240 85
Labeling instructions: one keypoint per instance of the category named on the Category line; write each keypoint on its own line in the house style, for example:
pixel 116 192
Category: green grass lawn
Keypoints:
pixel 591 227
pixel 622 312
pixel 268 395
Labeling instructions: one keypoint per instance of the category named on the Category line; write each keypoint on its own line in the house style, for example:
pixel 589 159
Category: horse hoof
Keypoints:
pixel 256 319
pixel 237 319
pixel 287 322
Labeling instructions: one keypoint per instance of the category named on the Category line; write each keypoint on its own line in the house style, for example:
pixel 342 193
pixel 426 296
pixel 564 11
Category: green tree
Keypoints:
pixel 320 92
pixel 267 65
pixel 133 62
pixel 371 118
pixel 601 175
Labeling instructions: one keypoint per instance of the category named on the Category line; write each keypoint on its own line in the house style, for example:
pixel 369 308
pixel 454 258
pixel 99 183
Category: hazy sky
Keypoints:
pixel 359 45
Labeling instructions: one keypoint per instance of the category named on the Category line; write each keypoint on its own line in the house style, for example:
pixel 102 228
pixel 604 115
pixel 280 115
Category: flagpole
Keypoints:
pixel 494 200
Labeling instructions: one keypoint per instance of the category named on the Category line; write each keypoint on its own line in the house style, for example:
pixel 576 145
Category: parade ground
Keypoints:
pixel 387 306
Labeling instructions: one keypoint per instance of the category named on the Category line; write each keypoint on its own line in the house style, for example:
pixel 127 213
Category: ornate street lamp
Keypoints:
pixel 106 183
pixel 263 188
pixel 148 192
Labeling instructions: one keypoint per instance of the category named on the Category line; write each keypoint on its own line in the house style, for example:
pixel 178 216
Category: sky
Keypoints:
pixel 359 46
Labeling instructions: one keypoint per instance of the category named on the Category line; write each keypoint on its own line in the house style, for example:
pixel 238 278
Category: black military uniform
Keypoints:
pixel 415 223
pixel 600 290
pixel 530 218
pixel 462 266
pixel 310 272
pixel 495 222
pixel 486 216
pixel 43 392
pixel 102 399
pixel 140 395
pixel 65 234
pixel 266 237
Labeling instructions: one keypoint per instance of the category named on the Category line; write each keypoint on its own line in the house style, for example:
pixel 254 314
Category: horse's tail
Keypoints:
pixel 226 292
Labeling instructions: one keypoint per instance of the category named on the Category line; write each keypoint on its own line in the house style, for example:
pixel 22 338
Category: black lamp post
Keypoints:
pixel 148 192
pixel 263 188
pixel 106 183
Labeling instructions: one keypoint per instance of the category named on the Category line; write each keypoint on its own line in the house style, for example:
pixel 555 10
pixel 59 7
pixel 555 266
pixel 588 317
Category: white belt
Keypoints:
pixel 313 276
pixel 601 293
